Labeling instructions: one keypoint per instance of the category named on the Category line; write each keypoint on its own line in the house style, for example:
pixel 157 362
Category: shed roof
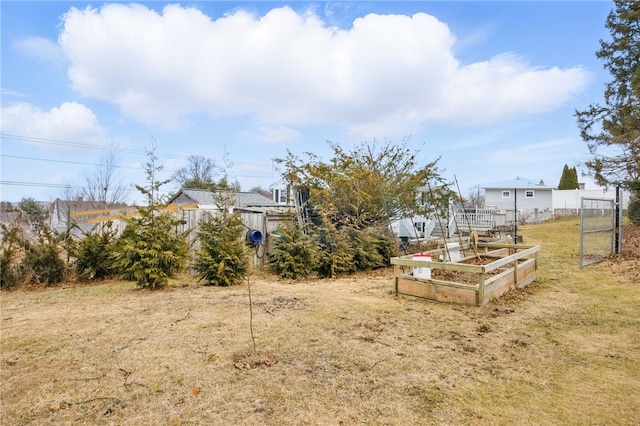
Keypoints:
pixel 206 197
pixel 518 183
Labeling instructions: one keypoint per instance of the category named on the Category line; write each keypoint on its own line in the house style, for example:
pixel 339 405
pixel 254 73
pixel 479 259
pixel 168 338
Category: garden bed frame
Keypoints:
pixel 515 266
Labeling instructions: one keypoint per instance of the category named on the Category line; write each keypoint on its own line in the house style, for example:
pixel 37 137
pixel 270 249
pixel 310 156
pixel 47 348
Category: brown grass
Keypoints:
pixel 564 351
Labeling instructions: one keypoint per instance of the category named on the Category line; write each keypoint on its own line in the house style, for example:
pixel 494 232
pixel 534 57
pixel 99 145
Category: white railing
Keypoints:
pixel 484 219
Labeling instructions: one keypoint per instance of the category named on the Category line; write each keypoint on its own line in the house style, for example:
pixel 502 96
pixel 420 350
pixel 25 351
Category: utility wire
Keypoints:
pixel 49 185
pixel 67 162
pixel 46 141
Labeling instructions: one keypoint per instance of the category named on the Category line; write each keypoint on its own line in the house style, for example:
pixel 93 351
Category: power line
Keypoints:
pixel 68 162
pixel 50 160
pixel 56 142
pixel 49 185
pixel 47 141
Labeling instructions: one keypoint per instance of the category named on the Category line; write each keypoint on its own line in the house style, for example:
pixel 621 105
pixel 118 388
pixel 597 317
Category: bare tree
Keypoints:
pixel 197 174
pixel 260 190
pixel 104 186
pixel 70 191
pixel 476 198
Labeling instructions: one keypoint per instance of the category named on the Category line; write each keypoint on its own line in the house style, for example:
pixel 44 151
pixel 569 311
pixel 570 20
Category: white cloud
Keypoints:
pixel 491 136
pixel 71 122
pixel 271 135
pixel 539 152
pixel 391 72
pixel 40 49
pixel 14 93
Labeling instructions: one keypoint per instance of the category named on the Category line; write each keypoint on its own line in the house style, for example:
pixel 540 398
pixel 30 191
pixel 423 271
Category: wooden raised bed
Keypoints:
pixel 473 279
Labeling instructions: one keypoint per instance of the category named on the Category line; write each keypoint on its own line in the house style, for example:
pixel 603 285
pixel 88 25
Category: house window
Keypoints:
pixel 280 196
pixel 528 193
pixel 506 194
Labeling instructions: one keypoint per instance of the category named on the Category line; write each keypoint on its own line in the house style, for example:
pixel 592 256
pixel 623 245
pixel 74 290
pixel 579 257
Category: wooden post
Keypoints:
pixel 480 298
pixel 396 272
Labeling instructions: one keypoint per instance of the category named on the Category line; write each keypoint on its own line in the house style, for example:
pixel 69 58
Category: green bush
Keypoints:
pixel 149 251
pixel 349 249
pixel 329 251
pixel 11 248
pixel 293 255
pixel 336 254
pixel 372 248
pixel 220 260
pixel 94 255
pixel 42 262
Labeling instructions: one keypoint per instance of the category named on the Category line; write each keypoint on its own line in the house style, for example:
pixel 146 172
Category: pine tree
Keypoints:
pixel 221 259
pixel 569 178
pixel 565 179
pixel 612 130
pixel 294 254
pixel 574 178
pixel 149 251
pixel 564 184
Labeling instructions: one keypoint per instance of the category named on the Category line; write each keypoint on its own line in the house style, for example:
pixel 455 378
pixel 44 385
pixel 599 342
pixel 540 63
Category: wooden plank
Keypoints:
pixel 530 279
pixel 511 258
pixel 447 266
pixel 90 212
pixel 500 279
pixel 480 293
pixel 525 270
pixel 442 282
pixel 437 292
pixel 505 245
pixel 396 272
pixel 177 207
pixel 112 217
pixel 498 285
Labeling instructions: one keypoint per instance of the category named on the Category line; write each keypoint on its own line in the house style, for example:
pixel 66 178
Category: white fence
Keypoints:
pixel 567 201
pixel 484 220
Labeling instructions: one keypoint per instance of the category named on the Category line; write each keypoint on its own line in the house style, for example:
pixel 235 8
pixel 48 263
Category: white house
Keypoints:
pixel 528 196
pixel 281 193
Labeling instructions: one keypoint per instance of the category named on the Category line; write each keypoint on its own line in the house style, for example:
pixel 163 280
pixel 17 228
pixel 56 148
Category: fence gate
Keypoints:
pixel 597 230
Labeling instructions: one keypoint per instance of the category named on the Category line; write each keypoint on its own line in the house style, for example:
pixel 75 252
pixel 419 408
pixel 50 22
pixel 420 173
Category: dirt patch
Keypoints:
pixel 470 278
pixel 249 360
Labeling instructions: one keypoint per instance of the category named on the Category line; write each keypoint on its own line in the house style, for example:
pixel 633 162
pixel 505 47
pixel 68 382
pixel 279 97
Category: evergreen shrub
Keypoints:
pixel 221 260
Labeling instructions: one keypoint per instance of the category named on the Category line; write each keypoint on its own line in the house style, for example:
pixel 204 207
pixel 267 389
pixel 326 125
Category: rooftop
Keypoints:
pixel 518 182
pixel 242 199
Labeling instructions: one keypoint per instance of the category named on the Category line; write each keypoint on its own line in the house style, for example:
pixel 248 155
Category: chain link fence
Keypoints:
pixel 606 230
pixel 597 230
pixel 630 240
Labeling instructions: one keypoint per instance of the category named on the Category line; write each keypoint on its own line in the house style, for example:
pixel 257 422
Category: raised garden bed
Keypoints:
pixel 479 276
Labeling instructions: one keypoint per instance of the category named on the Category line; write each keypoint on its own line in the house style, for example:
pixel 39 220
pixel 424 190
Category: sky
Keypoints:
pixel 488 88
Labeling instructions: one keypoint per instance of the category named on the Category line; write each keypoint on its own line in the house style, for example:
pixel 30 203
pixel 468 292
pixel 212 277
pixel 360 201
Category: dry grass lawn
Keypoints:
pixel 565 351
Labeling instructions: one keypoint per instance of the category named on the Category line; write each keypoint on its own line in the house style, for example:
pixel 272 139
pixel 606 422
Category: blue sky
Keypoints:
pixel 489 87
